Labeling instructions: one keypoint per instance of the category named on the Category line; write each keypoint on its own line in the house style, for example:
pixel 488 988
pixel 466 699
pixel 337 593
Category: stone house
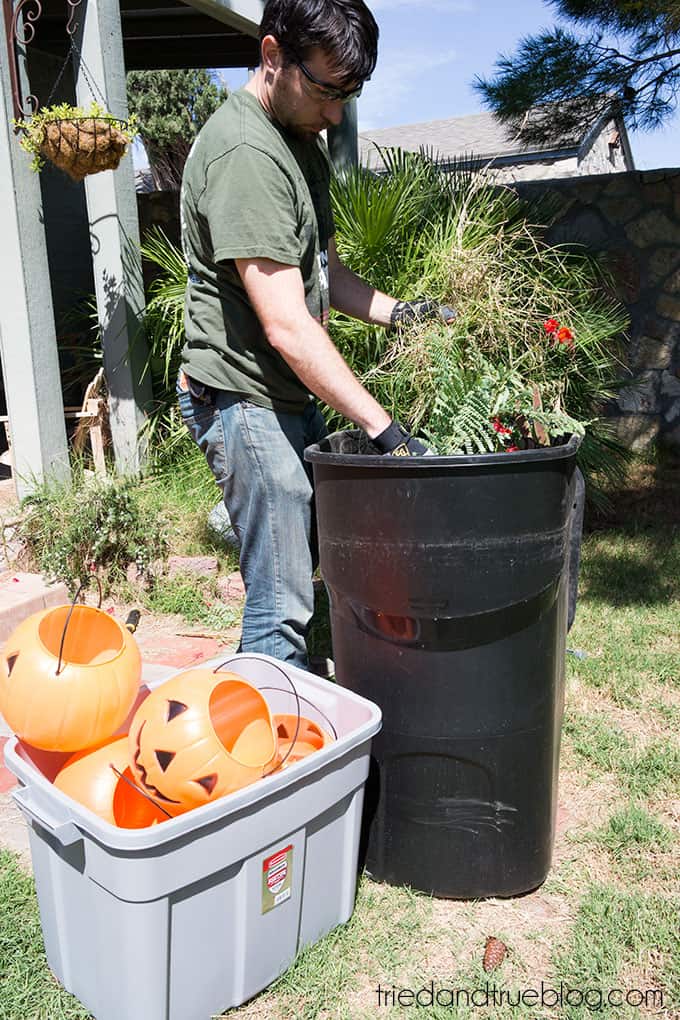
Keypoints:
pixel 481 141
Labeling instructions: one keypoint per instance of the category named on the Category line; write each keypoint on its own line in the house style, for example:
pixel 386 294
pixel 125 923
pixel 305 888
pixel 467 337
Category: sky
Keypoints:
pixel 431 50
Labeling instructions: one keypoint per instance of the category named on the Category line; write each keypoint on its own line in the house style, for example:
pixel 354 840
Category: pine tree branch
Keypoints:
pixel 579 77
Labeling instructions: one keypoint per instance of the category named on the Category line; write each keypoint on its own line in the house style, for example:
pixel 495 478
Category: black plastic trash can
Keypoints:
pixel 448 581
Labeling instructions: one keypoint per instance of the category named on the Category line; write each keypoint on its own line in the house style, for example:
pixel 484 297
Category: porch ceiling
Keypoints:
pixel 163 34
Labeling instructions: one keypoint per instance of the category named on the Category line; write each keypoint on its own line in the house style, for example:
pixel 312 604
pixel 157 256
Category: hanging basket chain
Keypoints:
pixel 71 29
pixel 60 75
pixel 87 75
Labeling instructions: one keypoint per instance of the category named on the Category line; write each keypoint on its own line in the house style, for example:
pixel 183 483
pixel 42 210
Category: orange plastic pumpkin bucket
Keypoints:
pixel 68 678
pixel 101 779
pixel 199 736
pixel 297 739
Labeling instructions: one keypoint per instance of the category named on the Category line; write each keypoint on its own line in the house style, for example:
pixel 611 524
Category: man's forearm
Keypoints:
pixel 350 295
pixel 319 365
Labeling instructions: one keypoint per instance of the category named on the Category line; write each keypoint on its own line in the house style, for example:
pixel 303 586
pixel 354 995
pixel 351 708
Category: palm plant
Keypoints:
pixel 165 307
pixel 383 226
pixel 164 331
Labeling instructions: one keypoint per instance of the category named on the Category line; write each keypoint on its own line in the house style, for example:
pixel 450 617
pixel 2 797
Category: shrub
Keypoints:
pixel 93 524
pixel 196 599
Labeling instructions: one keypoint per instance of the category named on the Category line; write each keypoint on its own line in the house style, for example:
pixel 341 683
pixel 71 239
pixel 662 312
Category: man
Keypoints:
pixel 257 233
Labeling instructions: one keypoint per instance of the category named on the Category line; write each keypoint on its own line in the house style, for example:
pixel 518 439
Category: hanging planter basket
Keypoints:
pixel 82 146
pixel 78 142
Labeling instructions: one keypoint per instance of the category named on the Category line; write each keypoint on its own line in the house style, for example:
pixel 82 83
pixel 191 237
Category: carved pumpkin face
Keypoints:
pixel 296 742
pixel 78 699
pixel 89 778
pixel 200 736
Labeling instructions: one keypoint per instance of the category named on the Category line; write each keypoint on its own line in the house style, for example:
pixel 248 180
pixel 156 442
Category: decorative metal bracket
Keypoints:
pixel 71 26
pixel 30 12
pixel 22 36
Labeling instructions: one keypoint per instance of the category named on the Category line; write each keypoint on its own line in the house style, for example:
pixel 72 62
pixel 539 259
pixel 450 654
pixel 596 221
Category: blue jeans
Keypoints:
pixel 256 456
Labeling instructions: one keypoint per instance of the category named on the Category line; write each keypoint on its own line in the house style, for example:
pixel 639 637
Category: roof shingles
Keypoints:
pixel 479 135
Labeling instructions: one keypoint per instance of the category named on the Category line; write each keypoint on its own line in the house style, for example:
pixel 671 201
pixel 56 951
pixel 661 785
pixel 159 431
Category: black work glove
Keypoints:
pixel 405 313
pixel 396 441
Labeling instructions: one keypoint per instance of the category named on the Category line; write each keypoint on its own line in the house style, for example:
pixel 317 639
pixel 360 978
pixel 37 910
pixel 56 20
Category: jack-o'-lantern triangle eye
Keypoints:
pixel 164 758
pixel 175 708
pixel 208 783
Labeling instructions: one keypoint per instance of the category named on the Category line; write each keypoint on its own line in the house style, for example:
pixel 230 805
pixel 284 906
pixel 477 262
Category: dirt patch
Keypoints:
pixel 641 724
pixel 585 806
pixel 668 696
pixel 154 627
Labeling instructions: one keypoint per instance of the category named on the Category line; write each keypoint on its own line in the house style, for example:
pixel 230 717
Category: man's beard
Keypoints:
pixel 283 103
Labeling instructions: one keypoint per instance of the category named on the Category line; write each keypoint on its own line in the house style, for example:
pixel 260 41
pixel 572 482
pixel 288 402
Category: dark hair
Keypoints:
pixel 344 29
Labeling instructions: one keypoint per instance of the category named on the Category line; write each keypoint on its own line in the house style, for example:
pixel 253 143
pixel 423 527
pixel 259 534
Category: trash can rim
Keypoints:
pixel 315 455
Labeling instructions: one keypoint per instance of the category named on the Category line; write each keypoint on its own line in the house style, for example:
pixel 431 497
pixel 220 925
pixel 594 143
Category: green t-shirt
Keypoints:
pixel 250 190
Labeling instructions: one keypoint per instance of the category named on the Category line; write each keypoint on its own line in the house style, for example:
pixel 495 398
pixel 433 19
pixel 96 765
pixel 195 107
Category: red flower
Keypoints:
pixel 564 335
pixel 512 449
pixel 500 428
pixel 551 326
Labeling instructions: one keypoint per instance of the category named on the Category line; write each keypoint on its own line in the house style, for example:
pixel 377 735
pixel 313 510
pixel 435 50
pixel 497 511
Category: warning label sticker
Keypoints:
pixel 277 878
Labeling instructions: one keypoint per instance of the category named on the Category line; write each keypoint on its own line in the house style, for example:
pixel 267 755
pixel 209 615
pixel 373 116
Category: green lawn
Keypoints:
pixel 607 916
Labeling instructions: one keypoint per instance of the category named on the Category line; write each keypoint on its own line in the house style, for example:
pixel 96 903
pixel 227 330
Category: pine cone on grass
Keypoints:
pixel 495 952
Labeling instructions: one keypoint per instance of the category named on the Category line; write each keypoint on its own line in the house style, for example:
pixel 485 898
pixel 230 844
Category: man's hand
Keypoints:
pixel 396 441
pixel 405 313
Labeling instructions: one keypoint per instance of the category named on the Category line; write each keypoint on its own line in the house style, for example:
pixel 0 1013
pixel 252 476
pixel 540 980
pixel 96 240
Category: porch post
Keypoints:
pixel 30 365
pixel 114 231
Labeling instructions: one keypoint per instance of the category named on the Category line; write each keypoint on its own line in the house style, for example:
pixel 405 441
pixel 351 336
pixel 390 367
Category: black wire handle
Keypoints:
pixel 142 793
pixel 299 713
pixel 82 585
pixel 307 702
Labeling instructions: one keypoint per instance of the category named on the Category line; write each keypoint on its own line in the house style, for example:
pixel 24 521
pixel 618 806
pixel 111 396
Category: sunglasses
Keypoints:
pixel 323 90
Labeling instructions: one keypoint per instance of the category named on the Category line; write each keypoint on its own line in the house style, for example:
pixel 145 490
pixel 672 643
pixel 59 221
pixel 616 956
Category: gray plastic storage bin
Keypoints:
pixel 178 921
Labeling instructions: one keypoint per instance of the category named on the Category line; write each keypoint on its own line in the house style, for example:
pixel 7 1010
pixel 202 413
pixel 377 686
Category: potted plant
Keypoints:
pixel 80 141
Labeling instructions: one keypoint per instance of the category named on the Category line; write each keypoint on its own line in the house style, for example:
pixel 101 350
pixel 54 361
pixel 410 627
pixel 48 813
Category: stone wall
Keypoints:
pixel 635 218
